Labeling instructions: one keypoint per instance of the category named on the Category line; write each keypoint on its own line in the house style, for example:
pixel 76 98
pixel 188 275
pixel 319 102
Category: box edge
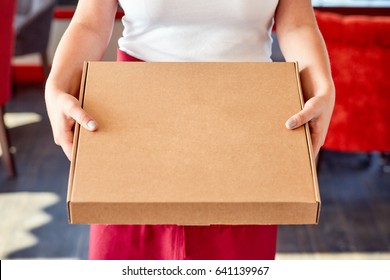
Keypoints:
pixel 309 146
pixel 75 143
pixel 105 218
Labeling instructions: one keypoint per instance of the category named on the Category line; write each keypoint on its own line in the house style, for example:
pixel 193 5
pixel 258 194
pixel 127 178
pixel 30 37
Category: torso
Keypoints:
pixel 201 30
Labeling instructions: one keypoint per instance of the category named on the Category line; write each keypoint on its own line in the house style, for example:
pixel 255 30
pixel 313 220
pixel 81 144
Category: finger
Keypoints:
pixel 74 111
pixel 316 143
pixel 67 148
pixel 302 117
pixel 65 140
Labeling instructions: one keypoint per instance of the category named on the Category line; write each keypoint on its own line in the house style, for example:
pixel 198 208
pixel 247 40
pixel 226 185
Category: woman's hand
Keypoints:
pixel 317 112
pixel 300 40
pixel 86 39
pixel 64 111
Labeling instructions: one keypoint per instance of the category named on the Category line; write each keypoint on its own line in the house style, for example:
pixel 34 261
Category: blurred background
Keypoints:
pixel 353 166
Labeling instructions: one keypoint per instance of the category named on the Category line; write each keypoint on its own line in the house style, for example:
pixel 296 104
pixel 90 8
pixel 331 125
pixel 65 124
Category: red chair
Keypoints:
pixel 32 28
pixel 359 51
pixel 7 10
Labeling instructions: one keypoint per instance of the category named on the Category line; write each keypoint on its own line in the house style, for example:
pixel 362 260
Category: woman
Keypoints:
pixel 187 30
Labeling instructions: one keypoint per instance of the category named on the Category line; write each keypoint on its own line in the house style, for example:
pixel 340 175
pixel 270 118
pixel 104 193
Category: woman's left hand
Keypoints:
pixel 300 40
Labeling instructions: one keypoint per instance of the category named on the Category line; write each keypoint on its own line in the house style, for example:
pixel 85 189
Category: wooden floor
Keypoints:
pixel 355 196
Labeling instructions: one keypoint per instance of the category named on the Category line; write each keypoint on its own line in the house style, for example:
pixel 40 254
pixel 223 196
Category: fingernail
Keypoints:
pixel 291 123
pixel 91 124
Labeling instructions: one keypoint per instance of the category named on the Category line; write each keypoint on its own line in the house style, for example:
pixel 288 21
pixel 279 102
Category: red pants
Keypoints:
pixel 173 242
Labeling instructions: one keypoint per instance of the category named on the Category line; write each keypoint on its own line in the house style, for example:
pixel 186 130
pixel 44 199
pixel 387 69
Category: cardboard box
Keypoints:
pixel 192 143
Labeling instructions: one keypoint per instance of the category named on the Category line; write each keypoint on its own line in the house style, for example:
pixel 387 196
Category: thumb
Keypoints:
pixel 302 117
pixel 74 111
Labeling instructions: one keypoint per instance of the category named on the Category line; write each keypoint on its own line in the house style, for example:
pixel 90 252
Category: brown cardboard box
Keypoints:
pixel 192 143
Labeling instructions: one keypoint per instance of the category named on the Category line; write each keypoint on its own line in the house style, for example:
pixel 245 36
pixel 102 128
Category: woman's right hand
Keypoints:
pixel 85 39
pixel 64 111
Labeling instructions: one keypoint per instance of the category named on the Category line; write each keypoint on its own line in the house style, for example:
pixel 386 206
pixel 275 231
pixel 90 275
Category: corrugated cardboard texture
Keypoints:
pixel 192 143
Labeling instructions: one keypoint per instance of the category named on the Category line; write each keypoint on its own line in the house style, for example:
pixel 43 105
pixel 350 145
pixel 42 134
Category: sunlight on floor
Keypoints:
pixel 13 120
pixel 21 212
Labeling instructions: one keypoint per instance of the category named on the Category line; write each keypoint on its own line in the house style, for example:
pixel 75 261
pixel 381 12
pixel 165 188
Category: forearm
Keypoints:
pixel 68 61
pixel 85 39
pixel 305 45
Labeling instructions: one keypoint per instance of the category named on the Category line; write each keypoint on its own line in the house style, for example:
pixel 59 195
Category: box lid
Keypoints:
pixel 192 143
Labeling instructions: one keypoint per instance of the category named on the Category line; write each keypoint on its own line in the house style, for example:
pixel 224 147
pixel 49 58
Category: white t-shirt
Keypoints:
pixel 198 30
